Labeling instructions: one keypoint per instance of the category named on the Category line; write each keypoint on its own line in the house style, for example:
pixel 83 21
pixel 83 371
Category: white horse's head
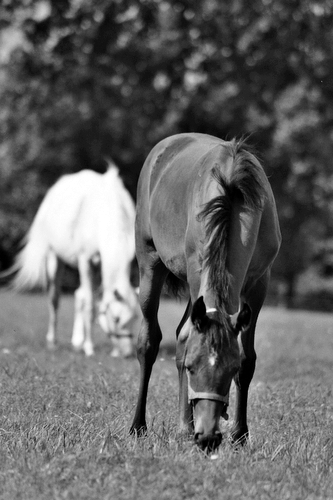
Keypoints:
pixel 117 316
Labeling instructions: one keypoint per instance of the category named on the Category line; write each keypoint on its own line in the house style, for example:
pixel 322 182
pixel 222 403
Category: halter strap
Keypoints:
pixel 206 395
pixel 213 309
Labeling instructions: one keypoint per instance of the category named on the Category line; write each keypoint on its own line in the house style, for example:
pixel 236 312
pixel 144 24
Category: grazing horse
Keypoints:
pixel 206 217
pixel 85 220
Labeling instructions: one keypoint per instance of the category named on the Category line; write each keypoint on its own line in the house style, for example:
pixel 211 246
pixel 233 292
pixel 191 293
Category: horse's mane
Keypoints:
pixel 244 184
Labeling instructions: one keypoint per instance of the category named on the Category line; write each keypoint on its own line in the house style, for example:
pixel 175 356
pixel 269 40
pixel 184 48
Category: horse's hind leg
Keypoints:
pixel 255 298
pixel 151 282
pixel 78 335
pixel 54 268
pixel 84 308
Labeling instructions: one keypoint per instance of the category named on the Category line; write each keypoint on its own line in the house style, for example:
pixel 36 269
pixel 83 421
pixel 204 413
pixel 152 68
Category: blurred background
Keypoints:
pixel 86 80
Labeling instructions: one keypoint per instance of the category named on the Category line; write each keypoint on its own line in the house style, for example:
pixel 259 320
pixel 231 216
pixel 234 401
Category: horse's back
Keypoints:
pixel 63 213
pixel 65 196
pixel 83 212
pixel 180 154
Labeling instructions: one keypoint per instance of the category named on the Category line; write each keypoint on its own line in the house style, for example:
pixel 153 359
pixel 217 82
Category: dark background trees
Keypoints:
pixel 83 80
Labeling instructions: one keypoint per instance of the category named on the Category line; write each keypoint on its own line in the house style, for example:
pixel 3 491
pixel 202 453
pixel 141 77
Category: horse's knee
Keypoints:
pixel 84 302
pixel 180 349
pixel 79 299
pixel 148 342
pixel 181 344
pixel 53 295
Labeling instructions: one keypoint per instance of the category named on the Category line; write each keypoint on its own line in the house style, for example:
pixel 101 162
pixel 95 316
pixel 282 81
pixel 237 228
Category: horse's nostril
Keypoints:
pixel 208 442
pixel 197 436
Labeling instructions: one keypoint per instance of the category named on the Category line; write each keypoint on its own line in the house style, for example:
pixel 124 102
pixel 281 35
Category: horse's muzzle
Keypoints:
pixel 208 442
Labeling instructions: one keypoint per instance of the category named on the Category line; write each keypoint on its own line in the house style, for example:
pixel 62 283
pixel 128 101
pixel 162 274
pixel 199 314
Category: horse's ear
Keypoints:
pixel 243 318
pixel 198 315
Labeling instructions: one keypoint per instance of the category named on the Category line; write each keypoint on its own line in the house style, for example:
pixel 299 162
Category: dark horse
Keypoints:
pixel 206 216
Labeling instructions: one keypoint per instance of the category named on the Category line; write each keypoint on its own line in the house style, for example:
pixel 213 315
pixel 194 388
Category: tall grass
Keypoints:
pixel 64 419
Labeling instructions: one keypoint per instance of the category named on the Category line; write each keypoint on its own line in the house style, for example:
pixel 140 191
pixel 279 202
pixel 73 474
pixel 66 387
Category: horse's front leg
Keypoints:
pixel 84 308
pixel 185 408
pixel 149 338
pixel 255 299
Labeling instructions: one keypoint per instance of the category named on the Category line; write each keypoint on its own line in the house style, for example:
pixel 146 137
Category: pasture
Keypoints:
pixel 64 418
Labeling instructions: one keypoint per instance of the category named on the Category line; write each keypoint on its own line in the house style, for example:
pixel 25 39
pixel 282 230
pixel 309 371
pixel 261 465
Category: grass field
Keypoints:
pixel 64 419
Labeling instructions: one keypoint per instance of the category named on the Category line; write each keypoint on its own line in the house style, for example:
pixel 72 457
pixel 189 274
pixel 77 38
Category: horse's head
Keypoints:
pixel 212 359
pixel 117 315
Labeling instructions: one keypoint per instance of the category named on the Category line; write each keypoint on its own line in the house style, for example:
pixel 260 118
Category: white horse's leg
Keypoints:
pixel 54 272
pixel 78 335
pixel 86 295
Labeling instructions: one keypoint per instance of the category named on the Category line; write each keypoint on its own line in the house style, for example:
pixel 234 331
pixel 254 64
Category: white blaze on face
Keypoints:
pixel 212 358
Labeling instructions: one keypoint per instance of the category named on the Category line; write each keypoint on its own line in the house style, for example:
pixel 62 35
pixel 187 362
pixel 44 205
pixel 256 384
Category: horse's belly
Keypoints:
pixel 174 261
pixel 70 242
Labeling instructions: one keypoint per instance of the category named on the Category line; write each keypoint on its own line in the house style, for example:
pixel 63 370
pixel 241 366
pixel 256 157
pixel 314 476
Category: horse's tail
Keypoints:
pixel 245 183
pixel 30 264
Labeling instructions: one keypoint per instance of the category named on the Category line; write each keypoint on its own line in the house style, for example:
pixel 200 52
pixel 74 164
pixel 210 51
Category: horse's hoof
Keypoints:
pixel 115 353
pixel 89 352
pixel 88 349
pixel 50 345
pixel 138 430
pixel 239 437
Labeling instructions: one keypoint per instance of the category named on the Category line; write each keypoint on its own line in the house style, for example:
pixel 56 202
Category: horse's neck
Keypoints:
pixel 116 272
pixel 118 284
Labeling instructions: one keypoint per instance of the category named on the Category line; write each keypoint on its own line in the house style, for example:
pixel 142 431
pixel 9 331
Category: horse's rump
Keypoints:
pixel 83 212
pixel 190 189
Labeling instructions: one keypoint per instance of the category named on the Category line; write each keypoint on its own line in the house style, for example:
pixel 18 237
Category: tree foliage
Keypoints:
pixel 84 80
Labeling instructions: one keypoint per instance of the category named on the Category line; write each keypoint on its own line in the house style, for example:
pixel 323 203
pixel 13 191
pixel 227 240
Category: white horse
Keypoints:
pixel 85 219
